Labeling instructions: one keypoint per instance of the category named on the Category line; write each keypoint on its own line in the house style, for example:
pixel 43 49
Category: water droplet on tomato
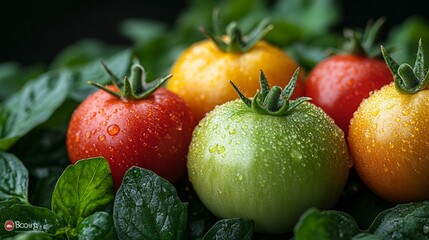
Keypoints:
pixel 213 148
pixel 406 112
pixel 375 112
pixel 87 134
pixel 239 177
pixel 113 129
pixel 77 136
pixel 101 138
pixel 92 115
pixel 220 149
pixel 296 155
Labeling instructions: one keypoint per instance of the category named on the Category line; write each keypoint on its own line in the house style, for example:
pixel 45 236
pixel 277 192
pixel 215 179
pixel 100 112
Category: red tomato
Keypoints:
pixel 340 83
pixel 153 132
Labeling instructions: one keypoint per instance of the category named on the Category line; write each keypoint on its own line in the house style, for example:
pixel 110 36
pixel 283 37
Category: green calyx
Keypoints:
pixel 134 88
pixel 408 79
pixel 364 44
pixel 236 41
pixel 274 101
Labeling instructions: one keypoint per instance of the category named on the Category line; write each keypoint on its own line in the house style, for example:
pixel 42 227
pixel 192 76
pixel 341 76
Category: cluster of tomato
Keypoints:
pixel 270 157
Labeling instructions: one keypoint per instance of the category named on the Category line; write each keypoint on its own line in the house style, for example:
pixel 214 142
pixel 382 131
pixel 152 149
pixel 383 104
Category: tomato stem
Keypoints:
pixel 274 101
pixel 408 80
pixel 236 42
pixel 134 88
pixel 364 44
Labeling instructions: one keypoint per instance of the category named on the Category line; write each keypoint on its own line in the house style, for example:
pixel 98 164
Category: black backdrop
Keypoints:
pixel 34 31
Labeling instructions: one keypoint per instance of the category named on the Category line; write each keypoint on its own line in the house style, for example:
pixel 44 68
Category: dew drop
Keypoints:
pixel 220 149
pixel 213 148
pixel 426 229
pixel 375 112
pixel 239 177
pixel 87 134
pixel 406 112
pixel 92 115
pixel 113 129
pixel 296 155
pixel 101 138
pixel 77 136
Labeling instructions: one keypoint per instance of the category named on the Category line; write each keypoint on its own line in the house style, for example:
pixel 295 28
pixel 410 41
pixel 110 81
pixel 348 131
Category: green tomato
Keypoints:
pixel 266 168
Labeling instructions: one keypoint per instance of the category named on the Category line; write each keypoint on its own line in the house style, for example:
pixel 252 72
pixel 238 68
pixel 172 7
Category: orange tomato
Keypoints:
pixel 201 73
pixel 388 140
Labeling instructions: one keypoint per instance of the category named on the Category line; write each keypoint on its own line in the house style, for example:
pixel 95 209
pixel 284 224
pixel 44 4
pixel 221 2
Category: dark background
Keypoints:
pixel 34 31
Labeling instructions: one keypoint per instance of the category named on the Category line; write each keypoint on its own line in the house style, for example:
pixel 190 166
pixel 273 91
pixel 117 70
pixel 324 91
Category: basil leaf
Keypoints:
pixel 97 226
pixel 366 236
pixel 231 229
pixel 94 71
pixel 200 219
pixel 148 207
pixel 327 225
pixel 82 189
pixel 32 105
pixel 13 76
pixel 13 178
pixel 24 217
pixel 404 221
pixel 82 52
pixel 9 203
pixel 32 236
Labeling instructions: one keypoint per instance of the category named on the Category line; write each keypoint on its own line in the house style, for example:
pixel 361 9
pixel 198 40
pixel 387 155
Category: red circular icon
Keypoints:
pixel 9 225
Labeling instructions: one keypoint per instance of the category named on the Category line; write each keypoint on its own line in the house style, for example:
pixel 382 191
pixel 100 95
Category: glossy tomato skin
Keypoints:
pixel 152 133
pixel 202 73
pixel 389 144
pixel 265 168
pixel 340 83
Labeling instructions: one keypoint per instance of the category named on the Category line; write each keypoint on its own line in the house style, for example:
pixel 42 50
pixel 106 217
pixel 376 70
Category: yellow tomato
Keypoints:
pixel 202 73
pixel 388 139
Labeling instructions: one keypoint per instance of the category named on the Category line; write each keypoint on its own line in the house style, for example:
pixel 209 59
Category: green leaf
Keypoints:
pixel 43 186
pixel 366 236
pixel 147 207
pixel 200 219
pixel 83 189
pixel 143 31
pixel 94 72
pixel 231 229
pixel 32 236
pixel 304 18
pixel 32 105
pixel 97 226
pixel 82 52
pixel 13 76
pixel 13 178
pixel 30 218
pixel 9 203
pixel 404 221
pixel 329 224
pixel 402 38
